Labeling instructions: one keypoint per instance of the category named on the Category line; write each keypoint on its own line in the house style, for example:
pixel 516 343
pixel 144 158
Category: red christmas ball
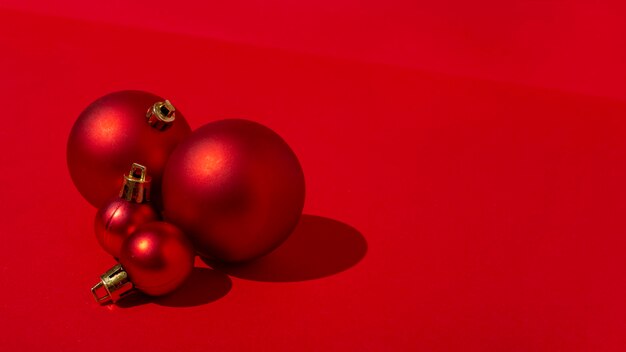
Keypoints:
pixel 121 215
pixel 117 130
pixel 119 218
pixel 235 188
pixel 157 257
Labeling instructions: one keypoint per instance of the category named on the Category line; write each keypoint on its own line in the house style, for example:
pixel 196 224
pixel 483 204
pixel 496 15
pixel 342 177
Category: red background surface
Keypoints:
pixel 464 164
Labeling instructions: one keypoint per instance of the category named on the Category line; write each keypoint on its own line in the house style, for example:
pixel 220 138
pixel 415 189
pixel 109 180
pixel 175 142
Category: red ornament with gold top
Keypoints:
pixel 156 259
pixel 121 215
pixel 116 130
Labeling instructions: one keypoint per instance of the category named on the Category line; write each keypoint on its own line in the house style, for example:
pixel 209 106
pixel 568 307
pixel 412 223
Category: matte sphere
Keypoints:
pixel 117 219
pixel 157 257
pixel 235 188
pixel 111 134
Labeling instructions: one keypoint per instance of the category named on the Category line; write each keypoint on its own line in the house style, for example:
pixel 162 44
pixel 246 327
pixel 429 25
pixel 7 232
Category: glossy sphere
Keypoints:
pixel 111 134
pixel 117 219
pixel 157 257
pixel 235 188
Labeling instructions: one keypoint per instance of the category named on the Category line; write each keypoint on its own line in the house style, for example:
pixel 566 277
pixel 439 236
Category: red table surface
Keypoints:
pixel 443 213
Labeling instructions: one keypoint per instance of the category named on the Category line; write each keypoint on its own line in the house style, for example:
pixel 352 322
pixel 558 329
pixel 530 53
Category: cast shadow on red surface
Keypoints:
pixel 203 286
pixel 317 248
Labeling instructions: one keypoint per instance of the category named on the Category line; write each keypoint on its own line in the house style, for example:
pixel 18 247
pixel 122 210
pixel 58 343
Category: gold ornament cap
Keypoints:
pixel 136 186
pixel 161 115
pixel 113 285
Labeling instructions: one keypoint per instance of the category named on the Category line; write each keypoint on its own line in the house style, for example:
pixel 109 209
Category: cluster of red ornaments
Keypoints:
pixel 232 190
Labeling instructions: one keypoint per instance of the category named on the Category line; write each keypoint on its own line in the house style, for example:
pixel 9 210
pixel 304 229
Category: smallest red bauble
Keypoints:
pixel 121 215
pixel 156 259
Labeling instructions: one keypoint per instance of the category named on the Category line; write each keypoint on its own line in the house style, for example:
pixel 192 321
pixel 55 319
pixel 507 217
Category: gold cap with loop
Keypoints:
pixel 161 115
pixel 136 187
pixel 113 285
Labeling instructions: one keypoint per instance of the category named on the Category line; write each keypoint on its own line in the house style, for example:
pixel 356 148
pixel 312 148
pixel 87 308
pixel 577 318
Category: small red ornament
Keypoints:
pixel 120 216
pixel 235 188
pixel 156 259
pixel 117 130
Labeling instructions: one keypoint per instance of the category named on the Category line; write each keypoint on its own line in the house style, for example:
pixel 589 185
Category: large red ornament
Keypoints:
pixel 117 130
pixel 120 216
pixel 235 188
pixel 156 259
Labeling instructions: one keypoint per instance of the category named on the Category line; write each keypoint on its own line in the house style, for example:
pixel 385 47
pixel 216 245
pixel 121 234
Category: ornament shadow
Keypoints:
pixel 203 286
pixel 318 247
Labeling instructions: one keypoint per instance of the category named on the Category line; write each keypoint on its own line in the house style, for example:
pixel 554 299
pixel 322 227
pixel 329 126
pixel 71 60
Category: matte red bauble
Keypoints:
pixel 117 130
pixel 156 259
pixel 235 188
pixel 120 216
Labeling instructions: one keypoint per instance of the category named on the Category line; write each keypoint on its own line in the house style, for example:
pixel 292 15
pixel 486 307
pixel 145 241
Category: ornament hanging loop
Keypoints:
pixel 161 115
pixel 136 187
pixel 113 285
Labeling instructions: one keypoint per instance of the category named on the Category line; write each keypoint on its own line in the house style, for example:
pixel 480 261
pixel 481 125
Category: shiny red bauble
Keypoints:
pixel 157 258
pixel 118 219
pixel 114 132
pixel 235 188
